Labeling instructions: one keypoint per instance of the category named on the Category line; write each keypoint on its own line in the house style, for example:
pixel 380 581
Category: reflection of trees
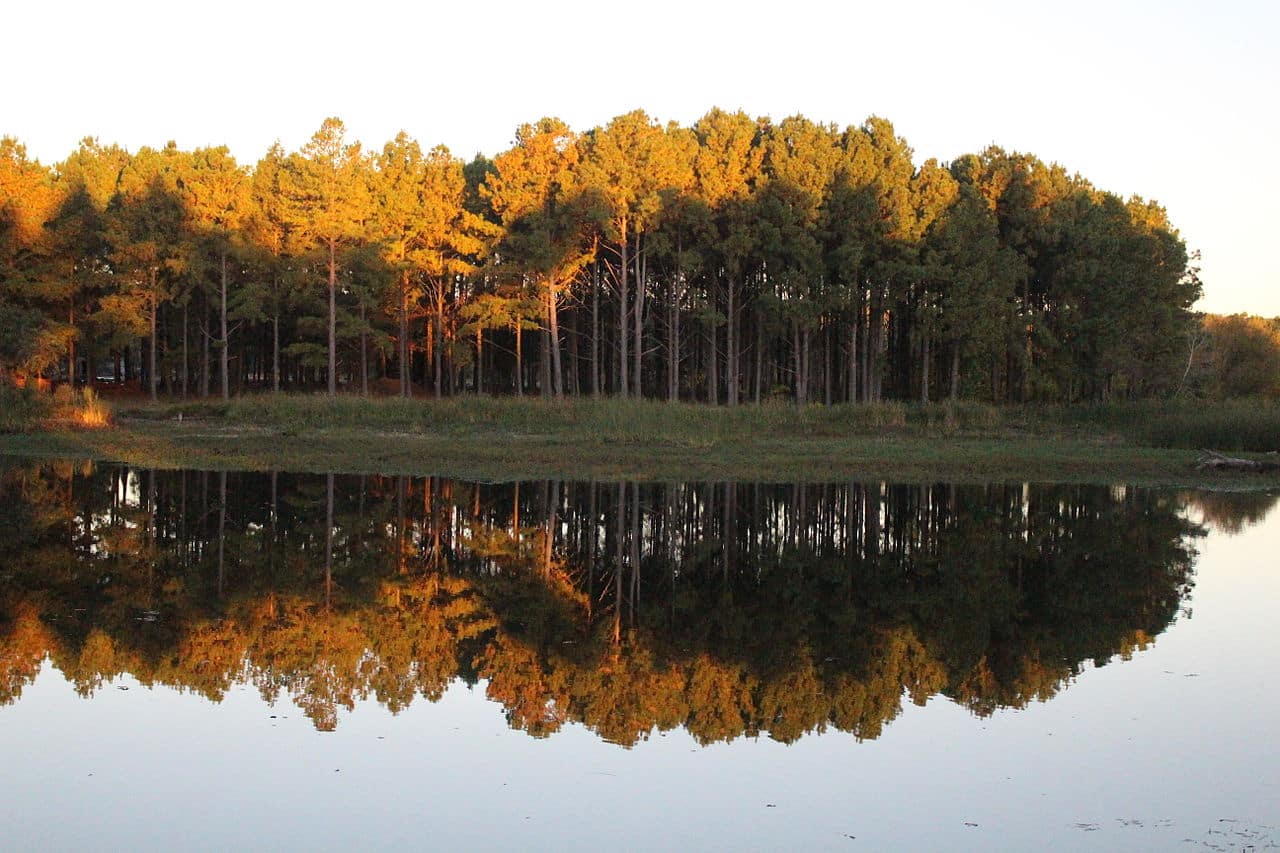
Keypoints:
pixel 1231 512
pixel 728 609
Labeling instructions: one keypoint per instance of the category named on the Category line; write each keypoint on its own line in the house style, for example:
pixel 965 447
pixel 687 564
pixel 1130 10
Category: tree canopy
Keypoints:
pixel 733 260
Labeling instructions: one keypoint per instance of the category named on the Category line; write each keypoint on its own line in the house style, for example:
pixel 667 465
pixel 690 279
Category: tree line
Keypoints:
pixel 738 259
pixel 729 609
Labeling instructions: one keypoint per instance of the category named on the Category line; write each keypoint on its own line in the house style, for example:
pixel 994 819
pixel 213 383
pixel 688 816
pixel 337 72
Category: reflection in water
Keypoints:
pixel 726 608
pixel 1231 512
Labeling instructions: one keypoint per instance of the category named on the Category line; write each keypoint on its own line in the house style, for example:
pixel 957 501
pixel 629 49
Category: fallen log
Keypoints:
pixel 1212 460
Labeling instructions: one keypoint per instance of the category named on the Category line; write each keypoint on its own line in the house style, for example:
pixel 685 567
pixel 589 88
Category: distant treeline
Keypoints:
pixel 731 261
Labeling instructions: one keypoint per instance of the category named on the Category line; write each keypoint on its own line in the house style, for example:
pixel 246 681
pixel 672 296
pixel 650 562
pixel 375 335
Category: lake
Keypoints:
pixel 207 660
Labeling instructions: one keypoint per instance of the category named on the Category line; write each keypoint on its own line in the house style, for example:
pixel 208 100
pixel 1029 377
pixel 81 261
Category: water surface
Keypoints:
pixel 209 659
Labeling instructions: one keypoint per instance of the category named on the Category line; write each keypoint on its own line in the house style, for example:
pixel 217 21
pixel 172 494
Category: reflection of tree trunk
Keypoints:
pixel 152 528
pixel 635 552
pixel 222 527
pixel 515 514
pixel 553 499
pixel 592 544
pixel 182 517
pixel 726 536
pixel 400 564
pixel 619 536
pixel 328 540
pixel 274 516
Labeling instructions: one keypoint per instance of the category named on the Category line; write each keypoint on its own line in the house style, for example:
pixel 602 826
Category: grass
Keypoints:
pixel 24 410
pixel 504 438
pixel 614 420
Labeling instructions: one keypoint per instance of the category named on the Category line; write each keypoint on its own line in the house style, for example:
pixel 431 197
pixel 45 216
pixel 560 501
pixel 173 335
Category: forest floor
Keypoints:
pixel 485 438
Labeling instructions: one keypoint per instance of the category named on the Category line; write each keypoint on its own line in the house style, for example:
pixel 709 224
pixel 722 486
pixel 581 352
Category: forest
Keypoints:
pixel 736 260
pixel 726 608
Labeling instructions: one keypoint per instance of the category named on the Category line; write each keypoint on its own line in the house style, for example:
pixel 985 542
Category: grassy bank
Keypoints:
pixel 503 438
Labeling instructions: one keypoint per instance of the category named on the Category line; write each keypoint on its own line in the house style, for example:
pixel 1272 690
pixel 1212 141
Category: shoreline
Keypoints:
pixel 496 454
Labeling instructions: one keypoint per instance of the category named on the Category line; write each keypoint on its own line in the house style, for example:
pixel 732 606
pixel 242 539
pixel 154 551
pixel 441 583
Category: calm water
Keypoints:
pixel 205 660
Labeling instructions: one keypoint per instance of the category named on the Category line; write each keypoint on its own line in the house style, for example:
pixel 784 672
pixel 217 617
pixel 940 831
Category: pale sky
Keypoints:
pixel 1173 100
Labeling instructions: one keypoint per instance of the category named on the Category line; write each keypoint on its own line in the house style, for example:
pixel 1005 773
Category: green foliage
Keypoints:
pixel 22 409
pixel 705 262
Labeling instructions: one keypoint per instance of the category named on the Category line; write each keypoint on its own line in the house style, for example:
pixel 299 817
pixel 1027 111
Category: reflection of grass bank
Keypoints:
pixel 506 439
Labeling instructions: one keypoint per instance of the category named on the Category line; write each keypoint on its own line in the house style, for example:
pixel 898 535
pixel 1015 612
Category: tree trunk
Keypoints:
pixel 224 354
pixel 759 359
pixel 519 359
pixel 713 367
pixel 437 331
pixel 731 346
pixel 673 337
pixel 364 354
pixel 553 318
pixel 333 316
pixel 595 330
pixel 622 313
pixel 827 336
pixel 275 354
pixel 852 395
pixel 152 375
pixel 637 384
pixel 71 345
pixel 183 372
pixel 204 348
pixel 544 364
pixel 574 359
pixel 924 368
pixel 955 371
pixel 797 358
pixel 406 373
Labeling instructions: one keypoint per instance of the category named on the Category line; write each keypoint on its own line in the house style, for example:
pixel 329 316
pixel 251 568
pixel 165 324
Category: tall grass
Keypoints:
pixel 1228 425
pixel 609 419
pixel 1242 425
pixel 80 407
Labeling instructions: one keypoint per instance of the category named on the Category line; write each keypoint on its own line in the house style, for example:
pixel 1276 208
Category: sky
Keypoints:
pixel 1174 101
